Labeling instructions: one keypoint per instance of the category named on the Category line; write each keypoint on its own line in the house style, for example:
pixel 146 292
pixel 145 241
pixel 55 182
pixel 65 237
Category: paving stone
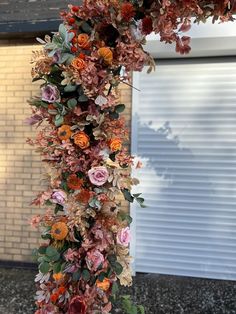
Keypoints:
pixel 159 294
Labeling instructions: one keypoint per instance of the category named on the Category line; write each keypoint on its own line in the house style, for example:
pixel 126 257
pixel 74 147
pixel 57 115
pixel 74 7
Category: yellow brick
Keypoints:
pixel 20 166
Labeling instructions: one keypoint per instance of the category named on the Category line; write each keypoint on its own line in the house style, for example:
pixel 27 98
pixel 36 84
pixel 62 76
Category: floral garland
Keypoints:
pixel 81 140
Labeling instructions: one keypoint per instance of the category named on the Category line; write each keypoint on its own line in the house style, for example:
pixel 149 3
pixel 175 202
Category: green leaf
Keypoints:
pixel 41 259
pixel 56 268
pixel 137 195
pixel 35 255
pixel 114 115
pixel 46 258
pixel 62 31
pixel 140 200
pixel 58 120
pixel 86 28
pixel 70 88
pixel 76 276
pixel 120 108
pixel 86 274
pixel 65 57
pixel 83 98
pixel 51 251
pixel 71 103
pixel 125 216
pixel 46 236
pixel 37 79
pixel 113 156
pixel 127 195
pixel 112 259
pixel 101 277
pixel 44 267
pixel 118 268
pixel 53 112
pixel 51 46
pixel 109 272
pixel 42 250
pixel 58 208
pixel 115 288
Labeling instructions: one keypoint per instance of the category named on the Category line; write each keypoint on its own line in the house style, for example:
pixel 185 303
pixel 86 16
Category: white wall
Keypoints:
pixel 208 40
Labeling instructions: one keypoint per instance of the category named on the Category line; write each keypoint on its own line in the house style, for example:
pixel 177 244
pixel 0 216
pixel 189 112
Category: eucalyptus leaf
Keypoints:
pixel 70 88
pixel 54 258
pixel 114 115
pixel 51 251
pixel 83 98
pixel 56 268
pixel 120 108
pixel 58 208
pixel 40 259
pixel 46 236
pixel 72 103
pixel 86 274
pixel 76 276
pixel 101 277
pixel 44 267
pixel 112 259
pixel 58 120
pixel 127 195
pixel 42 250
pixel 53 112
pixel 37 79
pixel 140 200
pixel 118 268
pixel 125 216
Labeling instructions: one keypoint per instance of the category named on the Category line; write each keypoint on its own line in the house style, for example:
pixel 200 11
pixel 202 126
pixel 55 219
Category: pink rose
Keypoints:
pixel 123 236
pixel 94 259
pixel 58 197
pixel 50 93
pixel 98 175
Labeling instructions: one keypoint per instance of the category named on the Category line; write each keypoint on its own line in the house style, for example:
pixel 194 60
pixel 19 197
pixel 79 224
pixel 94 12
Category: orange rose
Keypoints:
pixel 103 285
pixel 82 140
pixel 106 54
pixel 64 132
pixel 83 41
pixel 78 64
pixel 115 144
pixel 58 276
pixel 59 231
pixel 74 182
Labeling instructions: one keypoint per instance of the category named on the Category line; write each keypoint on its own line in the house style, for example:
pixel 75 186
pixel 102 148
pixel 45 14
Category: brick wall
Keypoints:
pixel 20 166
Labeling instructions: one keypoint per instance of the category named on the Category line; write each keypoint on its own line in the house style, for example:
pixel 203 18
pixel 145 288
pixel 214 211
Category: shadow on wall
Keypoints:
pixel 186 209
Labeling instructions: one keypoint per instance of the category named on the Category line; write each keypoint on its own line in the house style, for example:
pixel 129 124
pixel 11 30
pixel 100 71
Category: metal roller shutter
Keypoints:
pixel 184 129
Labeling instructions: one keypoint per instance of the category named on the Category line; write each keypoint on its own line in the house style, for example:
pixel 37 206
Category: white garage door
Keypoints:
pixel 184 130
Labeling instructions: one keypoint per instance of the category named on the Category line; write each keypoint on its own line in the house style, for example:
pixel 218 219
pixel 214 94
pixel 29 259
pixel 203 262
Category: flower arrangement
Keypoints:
pixel 82 137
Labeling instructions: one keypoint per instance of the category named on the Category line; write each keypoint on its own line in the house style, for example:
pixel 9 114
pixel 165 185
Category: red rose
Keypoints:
pixel 77 305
